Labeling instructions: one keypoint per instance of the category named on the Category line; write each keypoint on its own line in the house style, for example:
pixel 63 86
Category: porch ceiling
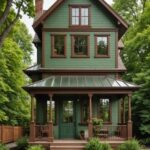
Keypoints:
pixel 81 82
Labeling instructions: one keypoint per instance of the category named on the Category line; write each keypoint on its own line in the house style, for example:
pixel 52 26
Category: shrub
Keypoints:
pixel 145 141
pixel 3 147
pixel 93 144
pixel 36 147
pixel 130 145
pixel 22 143
pixel 106 146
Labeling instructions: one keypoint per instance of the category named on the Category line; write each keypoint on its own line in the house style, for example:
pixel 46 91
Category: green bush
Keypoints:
pixel 3 147
pixel 94 144
pixel 36 147
pixel 145 142
pixel 130 145
pixel 22 143
pixel 106 146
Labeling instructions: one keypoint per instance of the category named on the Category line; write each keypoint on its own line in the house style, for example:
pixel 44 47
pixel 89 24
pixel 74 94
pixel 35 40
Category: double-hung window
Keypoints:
pixel 79 16
pixel 102 45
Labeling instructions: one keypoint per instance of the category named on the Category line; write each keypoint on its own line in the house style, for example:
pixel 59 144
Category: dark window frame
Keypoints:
pixel 53 55
pixel 110 112
pixel 73 55
pixel 80 7
pixel 108 46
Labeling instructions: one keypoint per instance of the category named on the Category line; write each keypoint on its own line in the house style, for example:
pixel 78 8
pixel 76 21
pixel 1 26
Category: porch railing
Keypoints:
pixel 111 132
pixel 41 131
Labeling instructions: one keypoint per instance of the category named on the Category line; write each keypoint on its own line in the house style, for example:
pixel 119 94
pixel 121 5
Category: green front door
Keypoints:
pixel 67 119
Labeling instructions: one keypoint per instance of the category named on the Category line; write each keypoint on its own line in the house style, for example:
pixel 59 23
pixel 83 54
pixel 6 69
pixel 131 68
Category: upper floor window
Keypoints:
pixel 102 45
pixel 79 16
pixel 80 46
pixel 58 43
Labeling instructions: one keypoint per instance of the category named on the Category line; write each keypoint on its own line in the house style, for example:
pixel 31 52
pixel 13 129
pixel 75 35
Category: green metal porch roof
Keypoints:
pixel 81 82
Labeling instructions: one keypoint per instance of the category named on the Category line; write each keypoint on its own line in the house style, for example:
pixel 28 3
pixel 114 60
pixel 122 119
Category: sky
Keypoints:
pixel 29 21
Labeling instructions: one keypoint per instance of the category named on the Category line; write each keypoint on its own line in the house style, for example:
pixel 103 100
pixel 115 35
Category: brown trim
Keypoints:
pixel 43 49
pixel 116 51
pixel 108 46
pixel 75 71
pixel 80 6
pixel 85 29
pixel 73 55
pixel 52 46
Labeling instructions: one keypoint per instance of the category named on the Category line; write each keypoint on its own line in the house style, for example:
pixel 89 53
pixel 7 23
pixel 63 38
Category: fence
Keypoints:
pixel 10 133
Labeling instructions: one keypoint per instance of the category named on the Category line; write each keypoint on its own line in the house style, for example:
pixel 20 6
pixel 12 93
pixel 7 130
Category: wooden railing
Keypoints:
pixel 111 132
pixel 10 133
pixel 41 131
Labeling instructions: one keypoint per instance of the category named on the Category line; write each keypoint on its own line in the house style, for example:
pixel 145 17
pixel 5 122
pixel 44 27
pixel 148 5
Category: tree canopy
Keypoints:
pixel 10 12
pixel 136 56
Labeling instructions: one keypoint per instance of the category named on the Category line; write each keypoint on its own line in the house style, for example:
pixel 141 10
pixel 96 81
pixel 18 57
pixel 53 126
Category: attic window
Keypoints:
pixel 102 45
pixel 79 15
pixel 58 46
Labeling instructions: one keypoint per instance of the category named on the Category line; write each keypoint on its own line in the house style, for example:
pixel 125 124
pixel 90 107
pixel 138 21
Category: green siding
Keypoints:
pixel 115 112
pixel 92 62
pixel 60 17
pixel 41 111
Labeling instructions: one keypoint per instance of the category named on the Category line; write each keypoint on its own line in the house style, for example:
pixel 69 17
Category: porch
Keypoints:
pixel 77 100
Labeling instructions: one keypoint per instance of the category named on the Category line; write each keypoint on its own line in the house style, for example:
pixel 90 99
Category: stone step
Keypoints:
pixel 67 147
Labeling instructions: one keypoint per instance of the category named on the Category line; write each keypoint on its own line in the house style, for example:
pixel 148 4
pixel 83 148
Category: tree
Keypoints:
pixel 8 17
pixel 136 56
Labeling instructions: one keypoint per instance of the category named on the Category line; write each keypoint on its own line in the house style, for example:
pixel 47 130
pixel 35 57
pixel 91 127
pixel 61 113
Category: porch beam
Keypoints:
pixel 50 122
pixel 90 124
pixel 32 123
pixel 129 118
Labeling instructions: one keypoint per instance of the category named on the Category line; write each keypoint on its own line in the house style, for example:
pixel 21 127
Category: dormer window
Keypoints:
pixel 102 46
pixel 79 15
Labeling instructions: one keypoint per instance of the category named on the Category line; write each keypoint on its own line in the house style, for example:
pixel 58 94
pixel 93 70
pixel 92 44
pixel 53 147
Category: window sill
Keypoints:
pixel 80 26
pixel 102 56
pixel 58 56
pixel 80 56
pixel 83 124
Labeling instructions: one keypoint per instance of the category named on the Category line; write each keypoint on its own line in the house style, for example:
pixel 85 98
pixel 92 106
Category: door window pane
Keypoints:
pixel 67 111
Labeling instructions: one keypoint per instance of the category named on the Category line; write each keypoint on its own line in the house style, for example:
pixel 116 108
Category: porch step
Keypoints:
pixel 68 145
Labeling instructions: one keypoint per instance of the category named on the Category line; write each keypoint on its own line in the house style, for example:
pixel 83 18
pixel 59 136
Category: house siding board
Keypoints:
pixel 39 54
pixel 86 63
pixel 99 17
pixel 41 110
pixel 115 110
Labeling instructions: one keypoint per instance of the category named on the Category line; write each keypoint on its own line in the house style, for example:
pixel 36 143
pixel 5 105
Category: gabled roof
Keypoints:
pixel 47 13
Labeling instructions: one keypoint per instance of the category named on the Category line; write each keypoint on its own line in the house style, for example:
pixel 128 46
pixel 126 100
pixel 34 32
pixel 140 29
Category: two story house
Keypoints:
pixel 78 74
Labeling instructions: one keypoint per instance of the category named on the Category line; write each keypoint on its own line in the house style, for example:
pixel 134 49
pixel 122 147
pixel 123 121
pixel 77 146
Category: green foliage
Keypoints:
pixel 130 145
pixel 3 147
pixel 94 144
pixel 145 141
pixel 136 56
pixel 36 147
pixel 22 143
pixel 106 146
pixel 98 122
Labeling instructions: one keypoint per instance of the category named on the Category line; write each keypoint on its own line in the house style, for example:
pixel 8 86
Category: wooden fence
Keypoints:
pixel 10 133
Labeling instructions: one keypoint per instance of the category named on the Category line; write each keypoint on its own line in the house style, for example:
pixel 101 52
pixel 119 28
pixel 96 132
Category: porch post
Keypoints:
pixel 129 118
pixel 50 123
pixel 32 123
pixel 90 124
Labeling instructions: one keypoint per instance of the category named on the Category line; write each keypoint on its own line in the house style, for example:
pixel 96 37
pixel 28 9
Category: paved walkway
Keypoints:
pixel 11 145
